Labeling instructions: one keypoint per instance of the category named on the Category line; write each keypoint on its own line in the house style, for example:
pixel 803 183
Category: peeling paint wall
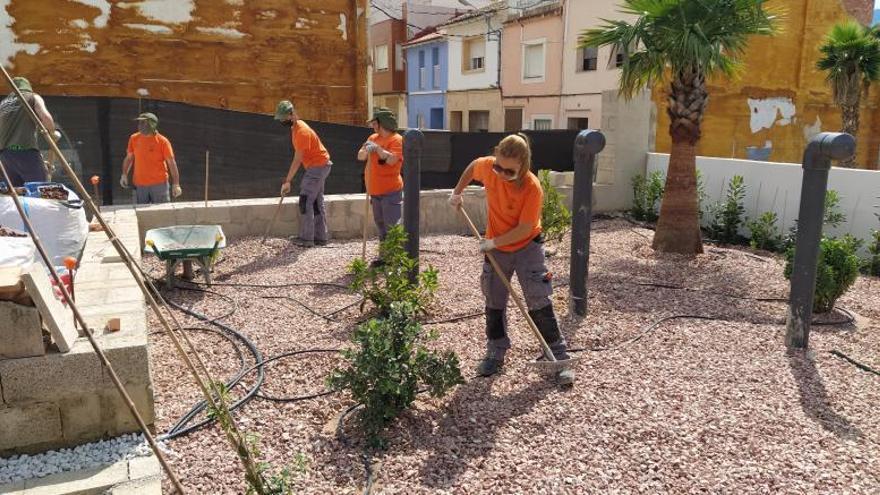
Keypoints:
pixel 236 54
pixel 780 99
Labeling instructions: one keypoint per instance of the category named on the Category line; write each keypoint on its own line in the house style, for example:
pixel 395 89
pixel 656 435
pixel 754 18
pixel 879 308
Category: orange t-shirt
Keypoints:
pixel 306 141
pixel 385 178
pixel 509 204
pixel 150 153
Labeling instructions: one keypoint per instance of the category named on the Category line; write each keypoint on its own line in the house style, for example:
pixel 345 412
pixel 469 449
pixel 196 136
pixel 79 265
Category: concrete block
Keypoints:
pixel 52 376
pixel 81 418
pixel 210 216
pixel 21 333
pixel 14 487
pixel 144 467
pixel 58 318
pixel 117 418
pixel 87 481
pixel 130 359
pixel 31 424
pixel 146 486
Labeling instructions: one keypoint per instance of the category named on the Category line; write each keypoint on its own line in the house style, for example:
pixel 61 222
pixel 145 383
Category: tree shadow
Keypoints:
pixel 258 263
pixel 814 397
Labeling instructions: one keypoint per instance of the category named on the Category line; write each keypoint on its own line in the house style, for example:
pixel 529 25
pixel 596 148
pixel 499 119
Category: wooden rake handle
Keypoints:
pixel 274 218
pixel 516 299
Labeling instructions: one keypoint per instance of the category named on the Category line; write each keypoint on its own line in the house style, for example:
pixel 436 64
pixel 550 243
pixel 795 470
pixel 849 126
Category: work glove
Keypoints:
pixel 371 147
pixel 123 181
pixel 176 191
pixel 487 245
pixel 56 135
pixel 285 188
pixel 455 200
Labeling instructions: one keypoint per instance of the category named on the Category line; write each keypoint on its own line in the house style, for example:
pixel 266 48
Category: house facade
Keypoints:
pixel 389 69
pixel 426 81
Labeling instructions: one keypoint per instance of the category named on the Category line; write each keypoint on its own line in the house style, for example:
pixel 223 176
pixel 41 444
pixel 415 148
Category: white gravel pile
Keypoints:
pixel 90 455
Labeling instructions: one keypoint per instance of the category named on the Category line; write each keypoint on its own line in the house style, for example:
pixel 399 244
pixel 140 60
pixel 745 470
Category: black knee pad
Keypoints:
pixel 303 202
pixel 545 320
pixel 495 323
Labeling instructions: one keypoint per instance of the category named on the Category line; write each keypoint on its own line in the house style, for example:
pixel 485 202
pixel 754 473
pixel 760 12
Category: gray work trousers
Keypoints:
pixel 387 210
pixel 312 220
pixel 529 265
pixel 154 194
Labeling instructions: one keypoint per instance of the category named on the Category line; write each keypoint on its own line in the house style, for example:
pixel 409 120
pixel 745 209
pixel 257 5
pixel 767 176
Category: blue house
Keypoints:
pixel 426 81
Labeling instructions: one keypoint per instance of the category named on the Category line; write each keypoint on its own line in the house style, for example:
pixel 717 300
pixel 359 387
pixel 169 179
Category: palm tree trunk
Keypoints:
pixel 850 116
pixel 678 229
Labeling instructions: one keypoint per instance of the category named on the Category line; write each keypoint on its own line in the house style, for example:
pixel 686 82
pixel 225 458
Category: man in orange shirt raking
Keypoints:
pixel 384 151
pixel 152 157
pixel 314 158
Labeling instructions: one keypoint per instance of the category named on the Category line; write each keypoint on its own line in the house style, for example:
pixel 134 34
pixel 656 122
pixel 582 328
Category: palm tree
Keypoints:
pixel 681 42
pixel 851 57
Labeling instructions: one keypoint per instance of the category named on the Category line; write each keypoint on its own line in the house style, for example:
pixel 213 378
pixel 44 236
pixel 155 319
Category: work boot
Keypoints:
pixel 492 362
pixel 545 320
pixel 565 377
pixel 320 243
pixel 302 242
pixel 377 263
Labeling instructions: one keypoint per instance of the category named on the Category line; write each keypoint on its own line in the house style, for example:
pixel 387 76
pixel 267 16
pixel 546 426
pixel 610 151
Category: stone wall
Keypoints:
pixel 60 400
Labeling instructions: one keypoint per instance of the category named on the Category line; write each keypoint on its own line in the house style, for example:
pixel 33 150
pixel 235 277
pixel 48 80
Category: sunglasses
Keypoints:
pixel 503 171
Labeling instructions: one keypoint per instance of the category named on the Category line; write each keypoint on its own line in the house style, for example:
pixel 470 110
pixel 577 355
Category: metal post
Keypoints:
pixel 821 149
pixel 413 143
pixel 586 146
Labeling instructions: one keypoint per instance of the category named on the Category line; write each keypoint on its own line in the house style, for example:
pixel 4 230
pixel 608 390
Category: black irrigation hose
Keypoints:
pixel 863 367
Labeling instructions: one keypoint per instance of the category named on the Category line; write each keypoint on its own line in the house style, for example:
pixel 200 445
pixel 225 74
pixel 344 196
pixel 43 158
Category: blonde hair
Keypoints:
pixel 517 146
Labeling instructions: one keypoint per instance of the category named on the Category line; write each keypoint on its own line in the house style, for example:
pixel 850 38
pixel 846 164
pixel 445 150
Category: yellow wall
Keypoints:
pixel 237 54
pixel 789 94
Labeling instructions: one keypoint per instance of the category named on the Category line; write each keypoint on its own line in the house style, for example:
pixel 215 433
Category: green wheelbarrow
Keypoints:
pixel 186 244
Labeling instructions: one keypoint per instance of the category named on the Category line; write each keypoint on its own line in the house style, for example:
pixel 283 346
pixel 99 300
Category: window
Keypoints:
pixel 455 121
pixel 473 54
pixel 588 59
pixel 421 120
pixel 478 121
pixel 578 123
pixel 513 119
pixel 533 61
pixel 435 57
pixel 398 57
pixel 423 76
pixel 381 57
pixel 618 60
pixel 542 124
pixel 436 118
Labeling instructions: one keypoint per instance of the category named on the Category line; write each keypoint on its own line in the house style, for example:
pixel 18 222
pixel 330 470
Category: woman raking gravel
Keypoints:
pixel 514 199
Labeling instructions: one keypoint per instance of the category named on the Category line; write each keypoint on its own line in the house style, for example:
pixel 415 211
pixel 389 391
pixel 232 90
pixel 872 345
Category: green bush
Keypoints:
pixel 647 194
pixel 390 282
pixel 555 217
pixel 837 270
pixel 727 216
pixel 764 234
pixel 832 217
pixel 872 264
pixel 389 363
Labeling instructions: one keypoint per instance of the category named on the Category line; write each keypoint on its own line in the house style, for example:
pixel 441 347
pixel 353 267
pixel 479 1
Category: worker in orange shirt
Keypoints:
pixel 384 152
pixel 315 160
pixel 514 199
pixel 152 158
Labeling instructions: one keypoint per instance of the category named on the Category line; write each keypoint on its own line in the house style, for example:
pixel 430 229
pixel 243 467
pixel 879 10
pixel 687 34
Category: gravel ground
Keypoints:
pixel 691 406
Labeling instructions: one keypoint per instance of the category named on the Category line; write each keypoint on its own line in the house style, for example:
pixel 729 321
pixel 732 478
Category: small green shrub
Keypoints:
pixel 701 194
pixel 555 217
pixel 837 270
pixel 390 282
pixel 872 264
pixel 647 194
pixel 727 216
pixel 763 232
pixel 386 368
pixel 832 217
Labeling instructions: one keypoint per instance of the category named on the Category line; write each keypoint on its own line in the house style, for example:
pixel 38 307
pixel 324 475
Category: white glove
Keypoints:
pixel 176 191
pixel 455 200
pixel 371 147
pixel 56 135
pixel 487 245
pixel 123 181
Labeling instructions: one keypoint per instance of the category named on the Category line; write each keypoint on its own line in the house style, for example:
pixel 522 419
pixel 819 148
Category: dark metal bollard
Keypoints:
pixel 821 149
pixel 586 146
pixel 413 143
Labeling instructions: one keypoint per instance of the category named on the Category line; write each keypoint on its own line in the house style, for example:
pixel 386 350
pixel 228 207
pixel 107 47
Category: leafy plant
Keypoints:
pixel 555 217
pixel 390 282
pixel 837 270
pixel 832 217
pixel 764 234
pixel 647 193
pixel 727 217
pixel 385 369
pixel 701 193
pixel 872 264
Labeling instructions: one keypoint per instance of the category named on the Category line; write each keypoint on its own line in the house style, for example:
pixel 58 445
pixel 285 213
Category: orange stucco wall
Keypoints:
pixel 780 99
pixel 238 54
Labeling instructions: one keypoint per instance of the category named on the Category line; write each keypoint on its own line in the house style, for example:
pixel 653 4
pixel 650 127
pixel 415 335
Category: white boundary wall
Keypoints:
pixel 777 187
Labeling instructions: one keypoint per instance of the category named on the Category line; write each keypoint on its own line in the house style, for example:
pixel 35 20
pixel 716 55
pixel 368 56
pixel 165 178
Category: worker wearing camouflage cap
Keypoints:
pixel 384 152
pixel 152 158
pixel 311 154
pixel 18 135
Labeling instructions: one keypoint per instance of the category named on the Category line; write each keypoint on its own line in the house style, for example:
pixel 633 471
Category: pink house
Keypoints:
pixel 531 77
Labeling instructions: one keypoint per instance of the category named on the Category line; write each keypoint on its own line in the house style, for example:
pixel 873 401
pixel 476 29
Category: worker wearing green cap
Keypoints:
pixel 18 135
pixel 152 158
pixel 383 152
pixel 311 154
